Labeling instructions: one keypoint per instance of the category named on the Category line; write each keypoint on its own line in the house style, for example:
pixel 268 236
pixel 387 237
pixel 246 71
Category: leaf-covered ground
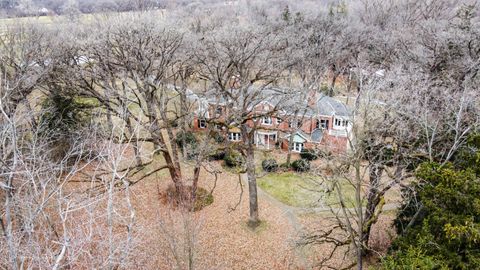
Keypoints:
pixel 224 240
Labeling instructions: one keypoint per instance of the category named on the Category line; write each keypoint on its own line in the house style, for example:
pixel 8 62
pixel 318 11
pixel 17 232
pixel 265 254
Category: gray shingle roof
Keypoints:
pixel 290 101
pixel 326 105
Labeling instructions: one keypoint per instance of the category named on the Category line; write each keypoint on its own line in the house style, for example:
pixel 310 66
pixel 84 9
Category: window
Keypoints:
pixel 267 120
pixel 234 136
pixel 295 124
pixel 202 123
pixel 338 122
pixel 218 110
pixel 341 122
pixel 297 147
pixel 279 120
pixel 322 123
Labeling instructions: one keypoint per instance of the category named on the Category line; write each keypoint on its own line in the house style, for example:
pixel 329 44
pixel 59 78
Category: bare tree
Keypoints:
pixel 134 71
pixel 239 65
pixel 421 109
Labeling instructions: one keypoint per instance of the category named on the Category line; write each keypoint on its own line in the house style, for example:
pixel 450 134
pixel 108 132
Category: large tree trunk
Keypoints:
pixel 373 200
pixel 290 146
pixel 159 143
pixel 254 220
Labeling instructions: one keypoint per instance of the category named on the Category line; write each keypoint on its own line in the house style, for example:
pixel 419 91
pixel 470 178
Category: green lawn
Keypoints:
pixel 301 190
pixel 290 188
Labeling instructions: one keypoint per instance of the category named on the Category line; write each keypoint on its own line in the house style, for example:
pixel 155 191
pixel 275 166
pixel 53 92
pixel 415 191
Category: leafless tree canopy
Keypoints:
pixel 410 71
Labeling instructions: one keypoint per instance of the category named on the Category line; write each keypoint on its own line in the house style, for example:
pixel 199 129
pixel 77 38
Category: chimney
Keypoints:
pixel 234 82
pixel 312 98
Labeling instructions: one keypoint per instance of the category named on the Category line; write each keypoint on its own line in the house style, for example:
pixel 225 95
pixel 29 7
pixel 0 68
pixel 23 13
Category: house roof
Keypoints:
pixel 317 135
pixel 300 134
pixel 326 105
pixel 289 101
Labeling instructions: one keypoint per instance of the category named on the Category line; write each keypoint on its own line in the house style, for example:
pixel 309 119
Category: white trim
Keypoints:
pixel 319 122
pixel 299 123
pixel 340 123
pixel 297 147
pixel 260 138
pixel 234 136
pixel 267 132
pixel 299 134
pixel 338 132
pixel 265 118
pixel 202 123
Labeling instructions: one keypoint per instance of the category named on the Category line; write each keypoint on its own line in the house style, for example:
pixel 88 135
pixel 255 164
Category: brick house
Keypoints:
pixel 315 121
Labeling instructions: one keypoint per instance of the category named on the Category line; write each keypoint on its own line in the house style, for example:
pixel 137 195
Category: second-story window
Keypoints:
pixel 322 124
pixel 202 123
pixel 341 122
pixel 279 120
pixel 234 136
pixel 266 120
pixel 295 123
pixel 218 110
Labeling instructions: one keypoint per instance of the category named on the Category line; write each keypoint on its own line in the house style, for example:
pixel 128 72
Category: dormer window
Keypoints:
pixel 322 124
pixel 340 122
pixel 266 120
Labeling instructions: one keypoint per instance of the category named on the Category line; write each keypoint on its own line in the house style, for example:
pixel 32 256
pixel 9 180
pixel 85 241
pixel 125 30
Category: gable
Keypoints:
pixel 298 139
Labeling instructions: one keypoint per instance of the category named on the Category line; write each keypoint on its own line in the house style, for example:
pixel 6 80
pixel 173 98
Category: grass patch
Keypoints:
pixel 299 190
pixel 290 188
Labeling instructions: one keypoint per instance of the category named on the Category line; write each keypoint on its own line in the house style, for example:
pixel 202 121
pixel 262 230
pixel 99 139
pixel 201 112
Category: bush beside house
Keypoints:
pixel 233 158
pixel 270 165
pixel 309 154
pixel 301 165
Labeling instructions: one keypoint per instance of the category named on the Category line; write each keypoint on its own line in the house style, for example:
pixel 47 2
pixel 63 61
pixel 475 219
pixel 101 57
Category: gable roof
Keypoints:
pixel 299 133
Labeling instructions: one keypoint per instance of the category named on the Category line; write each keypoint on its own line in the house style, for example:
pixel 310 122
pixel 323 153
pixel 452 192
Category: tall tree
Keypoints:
pixel 240 64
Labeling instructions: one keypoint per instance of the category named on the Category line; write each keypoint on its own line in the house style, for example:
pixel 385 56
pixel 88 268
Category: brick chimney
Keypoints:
pixel 234 82
pixel 312 98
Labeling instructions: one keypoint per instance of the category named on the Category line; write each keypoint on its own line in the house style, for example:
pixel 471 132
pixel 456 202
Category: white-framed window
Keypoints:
pixel 340 122
pixel 202 123
pixel 234 136
pixel 279 120
pixel 295 123
pixel 267 120
pixel 297 147
pixel 322 123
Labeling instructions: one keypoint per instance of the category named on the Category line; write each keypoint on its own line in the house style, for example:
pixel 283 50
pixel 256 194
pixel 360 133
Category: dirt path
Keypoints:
pixel 292 213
